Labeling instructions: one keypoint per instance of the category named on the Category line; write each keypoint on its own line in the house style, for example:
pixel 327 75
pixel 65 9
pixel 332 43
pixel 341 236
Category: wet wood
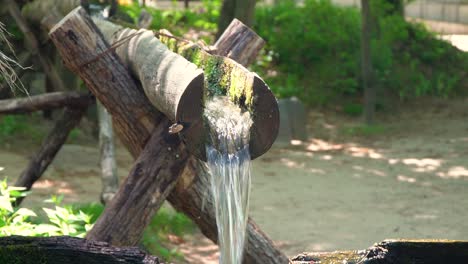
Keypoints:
pixel 394 252
pixel 44 101
pixel 70 250
pixel 224 76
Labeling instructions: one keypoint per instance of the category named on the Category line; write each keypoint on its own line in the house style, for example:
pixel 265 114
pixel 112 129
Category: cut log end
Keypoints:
pixel 265 119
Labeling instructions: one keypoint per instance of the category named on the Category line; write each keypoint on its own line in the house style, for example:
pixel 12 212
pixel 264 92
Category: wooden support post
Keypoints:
pixel 132 114
pixel 70 250
pixel 159 164
pixel 49 148
pixel 109 177
pixel 128 213
pixel 44 101
pixel 239 43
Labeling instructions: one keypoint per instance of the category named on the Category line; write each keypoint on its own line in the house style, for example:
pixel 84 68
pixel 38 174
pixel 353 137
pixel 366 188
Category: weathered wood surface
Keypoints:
pixel 44 101
pixel 109 177
pixel 32 46
pixel 224 76
pixel 171 83
pixel 239 43
pixel 50 146
pixel 160 163
pixel 128 213
pixel 70 250
pixel 394 252
pixel 115 95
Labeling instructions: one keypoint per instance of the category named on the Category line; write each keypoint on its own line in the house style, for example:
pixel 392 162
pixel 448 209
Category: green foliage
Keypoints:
pixel 60 220
pixel 77 220
pixel 20 126
pixel 180 21
pixel 314 51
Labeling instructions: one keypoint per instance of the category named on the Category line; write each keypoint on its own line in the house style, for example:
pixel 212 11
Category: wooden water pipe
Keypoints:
pixel 177 86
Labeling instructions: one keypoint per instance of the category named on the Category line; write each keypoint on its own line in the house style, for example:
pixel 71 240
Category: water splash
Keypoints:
pixel 229 163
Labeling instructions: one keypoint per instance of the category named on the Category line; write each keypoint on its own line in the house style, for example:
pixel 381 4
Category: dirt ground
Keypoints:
pixel 336 191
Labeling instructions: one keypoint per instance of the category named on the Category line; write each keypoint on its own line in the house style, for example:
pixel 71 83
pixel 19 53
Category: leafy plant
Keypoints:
pixel 60 220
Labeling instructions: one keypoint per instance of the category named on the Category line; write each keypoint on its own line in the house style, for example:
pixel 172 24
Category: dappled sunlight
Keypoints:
pixel 292 163
pixel 454 172
pixel 404 178
pixel 62 187
pixel 363 152
pixel 322 145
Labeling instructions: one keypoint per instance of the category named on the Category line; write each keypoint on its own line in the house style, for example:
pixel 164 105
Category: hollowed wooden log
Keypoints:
pixel 224 76
pixel 171 83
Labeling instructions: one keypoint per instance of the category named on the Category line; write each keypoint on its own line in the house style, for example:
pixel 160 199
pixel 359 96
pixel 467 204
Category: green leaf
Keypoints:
pixel 5 203
pixel 25 212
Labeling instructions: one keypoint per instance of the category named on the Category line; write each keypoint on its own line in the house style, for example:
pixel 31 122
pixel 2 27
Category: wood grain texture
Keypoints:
pixel 151 179
pixel 239 43
pixel 70 250
pixel 188 194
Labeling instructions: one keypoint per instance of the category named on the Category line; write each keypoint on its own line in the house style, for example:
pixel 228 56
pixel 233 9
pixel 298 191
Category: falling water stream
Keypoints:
pixel 229 163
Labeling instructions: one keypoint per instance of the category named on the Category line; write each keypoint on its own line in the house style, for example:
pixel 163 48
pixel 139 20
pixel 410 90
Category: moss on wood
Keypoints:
pixel 223 76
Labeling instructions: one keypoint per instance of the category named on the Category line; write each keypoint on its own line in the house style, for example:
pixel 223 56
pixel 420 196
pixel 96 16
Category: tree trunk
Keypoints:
pixel 70 250
pixel 115 94
pixel 241 9
pixel 109 178
pixel 366 63
pixel 49 148
pixel 239 43
pixel 44 101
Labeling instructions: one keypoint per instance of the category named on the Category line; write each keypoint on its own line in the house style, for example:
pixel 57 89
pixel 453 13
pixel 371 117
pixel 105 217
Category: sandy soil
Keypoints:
pixel 335 191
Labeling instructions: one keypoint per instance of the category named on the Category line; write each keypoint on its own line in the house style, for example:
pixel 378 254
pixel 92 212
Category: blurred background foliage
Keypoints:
pixel 313 51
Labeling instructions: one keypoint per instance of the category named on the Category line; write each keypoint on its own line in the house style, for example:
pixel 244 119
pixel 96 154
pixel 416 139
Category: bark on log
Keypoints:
pixel 159 165
pixel 33 46
pixel 109 178
pixel 44 101
pixel 70 250
pixel 172 84
pixel 239 43
pixel 394 252
pixel 154 172
pixel 224 76
pixel 115 96
pixel 49 148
